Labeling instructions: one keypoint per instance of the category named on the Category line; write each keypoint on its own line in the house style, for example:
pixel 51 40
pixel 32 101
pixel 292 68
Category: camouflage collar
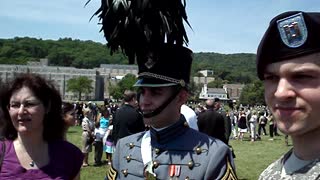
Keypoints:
pixel 305 169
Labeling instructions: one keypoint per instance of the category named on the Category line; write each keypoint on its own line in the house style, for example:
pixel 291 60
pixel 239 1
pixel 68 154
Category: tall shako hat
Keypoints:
pixel 152 33
pixel 171 68
pixel 289 35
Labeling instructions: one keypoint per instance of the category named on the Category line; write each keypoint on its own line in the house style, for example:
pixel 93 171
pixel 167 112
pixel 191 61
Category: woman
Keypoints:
pixel 262 124
pixel 104 119
pixel 253 123
pixel 109 145
pixel 105 124
pixel 87 136
pixel 69 113
pixel 101 125
pixel 34 132
pixel 242 125
pixel 271 125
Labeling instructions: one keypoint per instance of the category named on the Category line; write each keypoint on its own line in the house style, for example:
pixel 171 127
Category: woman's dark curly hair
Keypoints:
pixel 49 96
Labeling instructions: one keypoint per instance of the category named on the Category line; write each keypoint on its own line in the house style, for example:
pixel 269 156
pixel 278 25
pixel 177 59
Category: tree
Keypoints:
pixel 79 85
pixel 218 83
pixel 194 90
pixel 126 83
pixel 252 94
pixel 60 58
pixel 115 92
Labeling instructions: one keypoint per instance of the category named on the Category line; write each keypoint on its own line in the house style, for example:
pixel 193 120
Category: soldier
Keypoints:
pixel 127 119
pixel 170 149
pixel 288 62
pixel 212 123
pixel 152 34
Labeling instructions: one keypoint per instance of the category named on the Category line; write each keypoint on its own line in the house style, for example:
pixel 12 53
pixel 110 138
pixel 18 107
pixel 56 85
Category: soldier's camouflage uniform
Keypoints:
pixel 309 172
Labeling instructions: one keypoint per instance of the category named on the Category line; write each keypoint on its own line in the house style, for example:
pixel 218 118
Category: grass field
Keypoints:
pixel 251 157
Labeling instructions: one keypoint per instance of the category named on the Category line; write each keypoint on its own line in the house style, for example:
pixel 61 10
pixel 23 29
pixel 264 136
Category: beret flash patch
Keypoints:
pixel 293 30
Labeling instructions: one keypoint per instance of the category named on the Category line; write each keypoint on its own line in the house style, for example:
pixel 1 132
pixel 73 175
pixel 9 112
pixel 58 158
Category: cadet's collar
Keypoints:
pixel 169 133
pixel 128 104
pixel 159 129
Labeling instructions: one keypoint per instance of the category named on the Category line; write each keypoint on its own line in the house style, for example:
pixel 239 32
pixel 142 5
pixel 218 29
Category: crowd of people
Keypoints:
pixel 103 124
pixel 252 121
pixel 97 126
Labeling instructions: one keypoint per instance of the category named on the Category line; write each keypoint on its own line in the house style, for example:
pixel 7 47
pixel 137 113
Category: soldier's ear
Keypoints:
pixel 183 96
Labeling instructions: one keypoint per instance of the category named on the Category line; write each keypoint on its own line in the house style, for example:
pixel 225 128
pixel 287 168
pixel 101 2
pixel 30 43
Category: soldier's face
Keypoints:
pixel 153 97
pixel 292 91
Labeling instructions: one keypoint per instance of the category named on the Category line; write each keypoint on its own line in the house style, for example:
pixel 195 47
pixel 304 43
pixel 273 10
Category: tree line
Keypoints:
pixel 62 52
pixel 227 68
pixel 234 68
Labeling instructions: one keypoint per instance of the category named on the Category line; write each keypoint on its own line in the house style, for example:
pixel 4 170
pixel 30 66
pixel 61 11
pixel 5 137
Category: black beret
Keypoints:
pixel 169 66
pixel 289 35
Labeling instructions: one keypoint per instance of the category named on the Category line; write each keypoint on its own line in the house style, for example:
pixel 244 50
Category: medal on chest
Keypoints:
pixel 174 170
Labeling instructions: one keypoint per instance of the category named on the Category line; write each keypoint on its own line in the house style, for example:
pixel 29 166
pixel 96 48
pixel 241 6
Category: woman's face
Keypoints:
pixel 26 111
pixel 69 117
pixel 105 114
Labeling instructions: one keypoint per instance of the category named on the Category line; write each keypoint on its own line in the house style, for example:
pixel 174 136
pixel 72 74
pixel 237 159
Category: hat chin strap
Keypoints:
pixel 164 105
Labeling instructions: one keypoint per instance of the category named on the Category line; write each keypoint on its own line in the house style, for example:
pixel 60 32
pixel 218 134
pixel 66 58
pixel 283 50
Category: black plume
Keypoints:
pixel 139 27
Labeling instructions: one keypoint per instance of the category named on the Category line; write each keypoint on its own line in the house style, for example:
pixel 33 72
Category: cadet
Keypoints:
pixel 152 34
pixel 288 62
pixel 170 149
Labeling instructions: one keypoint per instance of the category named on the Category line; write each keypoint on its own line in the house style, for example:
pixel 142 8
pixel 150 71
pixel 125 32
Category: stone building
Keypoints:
pixel 60 75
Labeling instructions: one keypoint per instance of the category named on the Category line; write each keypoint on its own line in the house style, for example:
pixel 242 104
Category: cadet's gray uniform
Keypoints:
pixel 308 172
pixel 197 155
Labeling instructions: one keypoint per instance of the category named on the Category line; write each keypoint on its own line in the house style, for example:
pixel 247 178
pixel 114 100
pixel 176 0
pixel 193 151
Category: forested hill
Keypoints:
pixel 239 68
pixel 89 54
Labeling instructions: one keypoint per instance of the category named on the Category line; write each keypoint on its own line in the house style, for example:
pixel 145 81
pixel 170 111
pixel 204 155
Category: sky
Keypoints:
pixel 220 26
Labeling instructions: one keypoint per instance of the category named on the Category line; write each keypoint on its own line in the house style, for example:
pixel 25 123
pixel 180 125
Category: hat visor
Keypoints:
pixel 152 82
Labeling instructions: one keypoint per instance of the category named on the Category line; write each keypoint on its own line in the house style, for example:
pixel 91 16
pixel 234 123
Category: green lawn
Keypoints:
pixel 251 158
pixel 90 172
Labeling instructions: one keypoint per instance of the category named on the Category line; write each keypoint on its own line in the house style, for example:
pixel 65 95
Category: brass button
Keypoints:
pixel 198 150
pixel 190 164
pixel 182 83
pixel 125 172
pixel 157 151
pixel 186 124
pixel 155 164
pixel 128 158
pixel 131 145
